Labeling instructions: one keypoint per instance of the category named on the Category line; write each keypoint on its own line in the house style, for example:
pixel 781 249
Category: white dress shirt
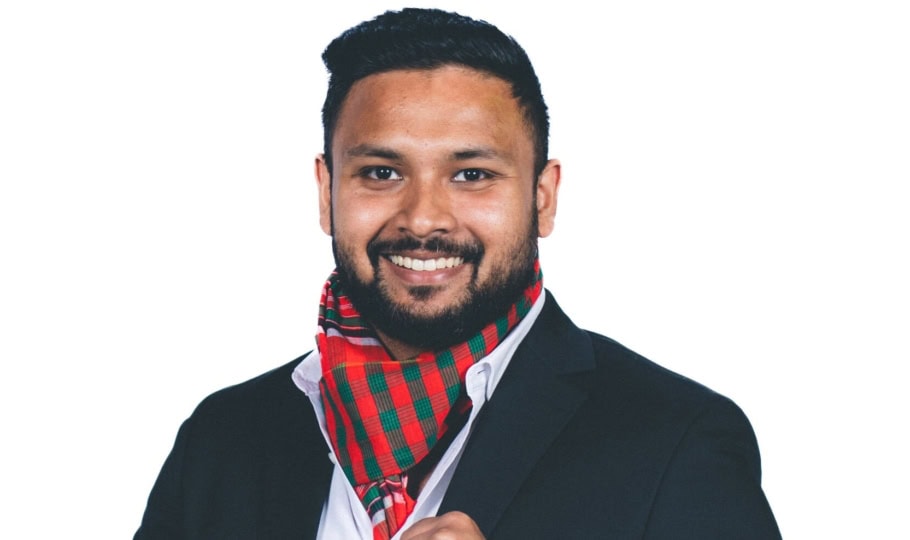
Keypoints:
pixel 343 515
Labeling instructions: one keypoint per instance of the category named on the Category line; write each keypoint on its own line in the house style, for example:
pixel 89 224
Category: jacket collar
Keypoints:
pixel 538 394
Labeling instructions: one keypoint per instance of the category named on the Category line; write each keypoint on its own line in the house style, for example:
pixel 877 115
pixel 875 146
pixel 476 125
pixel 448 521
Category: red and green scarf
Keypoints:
pixel 383 416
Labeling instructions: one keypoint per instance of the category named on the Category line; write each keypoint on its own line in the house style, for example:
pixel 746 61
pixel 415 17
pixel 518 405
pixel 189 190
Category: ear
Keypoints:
pixel 324 181
pixel 547 193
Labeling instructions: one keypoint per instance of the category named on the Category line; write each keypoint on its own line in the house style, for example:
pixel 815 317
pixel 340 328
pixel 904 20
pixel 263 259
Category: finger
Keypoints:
pixel 449 526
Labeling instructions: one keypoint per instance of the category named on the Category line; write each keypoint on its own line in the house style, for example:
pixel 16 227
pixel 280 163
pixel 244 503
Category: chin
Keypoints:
pixel 435 317
pixel 419 323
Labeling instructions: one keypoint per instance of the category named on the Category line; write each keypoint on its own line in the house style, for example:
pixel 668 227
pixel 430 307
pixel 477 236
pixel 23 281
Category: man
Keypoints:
pixel 449 396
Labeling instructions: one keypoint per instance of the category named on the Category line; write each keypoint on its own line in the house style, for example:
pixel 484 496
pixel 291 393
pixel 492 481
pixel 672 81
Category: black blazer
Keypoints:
pixel 582 439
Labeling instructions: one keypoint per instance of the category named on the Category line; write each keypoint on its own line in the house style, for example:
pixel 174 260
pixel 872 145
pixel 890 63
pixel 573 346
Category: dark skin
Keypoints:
pixel 449 526
pixel 442 152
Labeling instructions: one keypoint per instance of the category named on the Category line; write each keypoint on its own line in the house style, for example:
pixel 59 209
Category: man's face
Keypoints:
pixel 433 207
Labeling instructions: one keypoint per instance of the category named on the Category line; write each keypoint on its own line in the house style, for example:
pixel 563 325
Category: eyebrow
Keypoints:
pixel 472 153
pixel 369 150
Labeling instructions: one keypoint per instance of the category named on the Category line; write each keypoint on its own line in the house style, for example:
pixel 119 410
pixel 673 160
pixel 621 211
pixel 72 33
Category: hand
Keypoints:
pixel 449 526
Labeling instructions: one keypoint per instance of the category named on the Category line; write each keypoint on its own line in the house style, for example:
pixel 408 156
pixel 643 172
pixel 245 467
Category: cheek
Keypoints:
pixel 357 220
pixel 499 221
pixel 504 210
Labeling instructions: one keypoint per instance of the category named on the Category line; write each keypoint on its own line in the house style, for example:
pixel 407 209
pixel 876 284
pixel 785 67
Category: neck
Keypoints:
pixel 399 350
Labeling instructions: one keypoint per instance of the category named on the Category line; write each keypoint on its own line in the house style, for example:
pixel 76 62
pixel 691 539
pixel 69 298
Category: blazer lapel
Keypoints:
pixel 537 395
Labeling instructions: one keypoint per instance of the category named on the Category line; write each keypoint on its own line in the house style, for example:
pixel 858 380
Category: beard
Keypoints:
pixel 482 302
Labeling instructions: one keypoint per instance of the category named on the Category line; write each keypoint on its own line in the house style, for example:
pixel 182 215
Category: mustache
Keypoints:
pixel 469 251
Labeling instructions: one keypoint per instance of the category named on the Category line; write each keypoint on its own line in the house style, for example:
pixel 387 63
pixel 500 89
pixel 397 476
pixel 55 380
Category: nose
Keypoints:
pixel 426 209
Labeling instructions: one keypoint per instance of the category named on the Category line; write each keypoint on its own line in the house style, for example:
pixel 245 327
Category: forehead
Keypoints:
pixel 449 105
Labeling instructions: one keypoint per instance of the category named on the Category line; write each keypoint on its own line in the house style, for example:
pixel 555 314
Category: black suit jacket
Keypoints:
pixel 582 439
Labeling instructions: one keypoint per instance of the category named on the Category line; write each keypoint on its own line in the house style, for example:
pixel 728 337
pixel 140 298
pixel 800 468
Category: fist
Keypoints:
pixel 450 526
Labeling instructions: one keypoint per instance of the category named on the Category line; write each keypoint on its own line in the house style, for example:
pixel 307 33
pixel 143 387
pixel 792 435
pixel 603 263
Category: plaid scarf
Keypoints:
pixel 383 416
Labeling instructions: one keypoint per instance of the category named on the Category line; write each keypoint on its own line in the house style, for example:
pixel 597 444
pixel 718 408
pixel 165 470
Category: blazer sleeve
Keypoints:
pixel 711 488
pixel 163 518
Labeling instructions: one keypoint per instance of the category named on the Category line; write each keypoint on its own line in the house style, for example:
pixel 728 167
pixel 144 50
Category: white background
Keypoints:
pixel 734 207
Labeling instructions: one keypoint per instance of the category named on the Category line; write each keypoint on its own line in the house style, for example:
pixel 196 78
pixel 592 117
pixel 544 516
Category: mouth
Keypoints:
pixel 427 261
pixel 425 265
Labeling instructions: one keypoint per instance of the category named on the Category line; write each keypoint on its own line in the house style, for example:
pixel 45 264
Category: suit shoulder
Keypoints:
pixel 615 378
pixel 628 379
pixel 265 400
pixel 617 360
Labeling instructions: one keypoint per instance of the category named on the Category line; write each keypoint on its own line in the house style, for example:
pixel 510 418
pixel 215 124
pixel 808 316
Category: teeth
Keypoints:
pixel 428 265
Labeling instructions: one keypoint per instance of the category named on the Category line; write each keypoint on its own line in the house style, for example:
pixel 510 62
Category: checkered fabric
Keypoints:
pixel 383 416
pixel 388 504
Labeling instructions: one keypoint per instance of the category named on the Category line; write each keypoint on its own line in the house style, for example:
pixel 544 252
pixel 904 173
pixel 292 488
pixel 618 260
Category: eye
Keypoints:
pixel 380 173
pixel 472 175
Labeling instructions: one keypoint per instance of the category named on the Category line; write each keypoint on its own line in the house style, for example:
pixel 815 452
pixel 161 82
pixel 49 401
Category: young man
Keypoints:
pixel 449 396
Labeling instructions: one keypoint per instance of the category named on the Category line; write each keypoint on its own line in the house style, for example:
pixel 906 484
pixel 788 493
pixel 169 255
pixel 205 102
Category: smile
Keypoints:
pixel 426 265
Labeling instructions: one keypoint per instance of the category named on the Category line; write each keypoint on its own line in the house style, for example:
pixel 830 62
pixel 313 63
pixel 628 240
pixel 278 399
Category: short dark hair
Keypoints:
pixel 426 39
